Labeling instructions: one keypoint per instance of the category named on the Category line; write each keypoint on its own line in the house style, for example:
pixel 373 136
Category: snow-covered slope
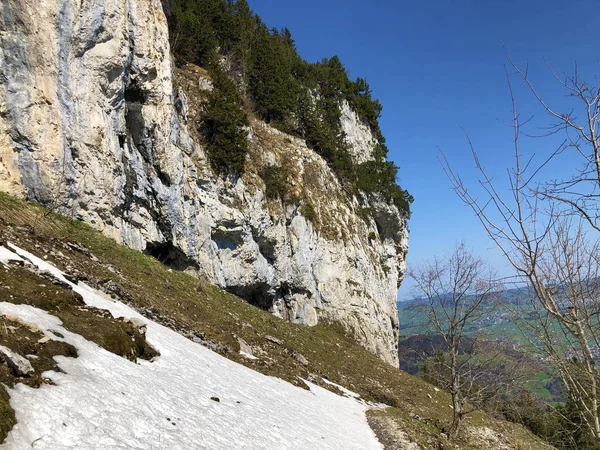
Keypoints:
pixel 187 398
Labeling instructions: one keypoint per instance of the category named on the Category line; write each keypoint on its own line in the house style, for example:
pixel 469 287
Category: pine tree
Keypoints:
pixel 270 78
pixel 245 25
pixel 191 35
pixel 224 124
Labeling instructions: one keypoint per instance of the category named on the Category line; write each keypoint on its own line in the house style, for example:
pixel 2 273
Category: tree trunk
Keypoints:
pixel 457 415
pixel 457 412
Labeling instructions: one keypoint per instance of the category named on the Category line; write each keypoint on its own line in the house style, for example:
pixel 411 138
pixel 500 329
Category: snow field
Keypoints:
pixel 106 402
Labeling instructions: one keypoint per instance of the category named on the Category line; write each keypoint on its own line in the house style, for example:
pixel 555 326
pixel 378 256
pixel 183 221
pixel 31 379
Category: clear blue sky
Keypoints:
pixel 437 65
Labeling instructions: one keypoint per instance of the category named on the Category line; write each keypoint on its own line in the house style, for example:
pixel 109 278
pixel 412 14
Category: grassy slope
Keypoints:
pixel 207 312
pixel 413 320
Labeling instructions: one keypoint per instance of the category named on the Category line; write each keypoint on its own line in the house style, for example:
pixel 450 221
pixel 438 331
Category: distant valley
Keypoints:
pixel 418 342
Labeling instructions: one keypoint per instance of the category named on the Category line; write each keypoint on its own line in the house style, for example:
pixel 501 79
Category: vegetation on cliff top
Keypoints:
pixel 298 97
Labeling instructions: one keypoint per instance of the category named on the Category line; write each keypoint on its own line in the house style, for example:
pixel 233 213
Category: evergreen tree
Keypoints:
pixel 245 25
pixel 290 93
pixel 270 78
pixel 191 35
pixel 379 176
pixel 224 124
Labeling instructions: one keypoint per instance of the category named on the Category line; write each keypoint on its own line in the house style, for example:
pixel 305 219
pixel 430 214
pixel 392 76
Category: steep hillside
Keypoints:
pixel 99 124
pixel 96 391
pixel 417 419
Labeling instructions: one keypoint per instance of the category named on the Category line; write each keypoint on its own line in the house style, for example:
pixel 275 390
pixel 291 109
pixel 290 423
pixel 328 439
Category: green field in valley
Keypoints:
pixel 497 326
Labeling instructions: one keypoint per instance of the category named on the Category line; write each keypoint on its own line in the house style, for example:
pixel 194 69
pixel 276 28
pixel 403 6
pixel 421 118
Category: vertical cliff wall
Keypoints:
pixel 96 123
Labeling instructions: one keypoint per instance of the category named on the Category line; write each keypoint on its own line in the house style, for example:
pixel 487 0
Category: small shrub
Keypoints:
pixel 308 211
pixel 372 236
pixel 365 214
pixel 276 182
pixel 379 176
pixel 384 266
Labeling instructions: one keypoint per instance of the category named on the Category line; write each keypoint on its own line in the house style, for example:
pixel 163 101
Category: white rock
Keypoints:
pixel 358 134
pixel 246 349
pixel 274 340
pixel 301 359
pixel 20 366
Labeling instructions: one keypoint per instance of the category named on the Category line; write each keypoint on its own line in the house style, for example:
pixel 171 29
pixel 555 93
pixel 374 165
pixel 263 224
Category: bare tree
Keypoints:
pixel 540 227
pixel 458 290
pixel 578 192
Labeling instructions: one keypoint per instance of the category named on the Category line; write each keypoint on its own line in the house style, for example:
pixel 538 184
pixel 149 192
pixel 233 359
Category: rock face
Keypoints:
pixel 92 126
pixel 358 134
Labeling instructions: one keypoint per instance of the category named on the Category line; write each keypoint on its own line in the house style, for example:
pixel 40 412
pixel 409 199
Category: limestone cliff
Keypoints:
pixel 97 123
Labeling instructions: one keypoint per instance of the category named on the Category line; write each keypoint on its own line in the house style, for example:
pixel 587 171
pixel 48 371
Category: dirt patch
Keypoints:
pixel 389 433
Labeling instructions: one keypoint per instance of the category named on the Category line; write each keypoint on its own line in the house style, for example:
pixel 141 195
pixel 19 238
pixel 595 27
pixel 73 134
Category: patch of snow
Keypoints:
pixel 7 256
pixel 342 388
pixel 103 401
pixel 248 355
pixel 91 296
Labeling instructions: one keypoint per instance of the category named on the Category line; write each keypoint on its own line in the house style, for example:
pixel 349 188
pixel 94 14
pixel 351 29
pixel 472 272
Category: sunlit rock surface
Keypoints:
pixel 92 125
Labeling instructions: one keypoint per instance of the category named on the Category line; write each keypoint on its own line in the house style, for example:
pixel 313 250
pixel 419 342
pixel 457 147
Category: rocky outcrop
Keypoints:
pixel 358 134
pixel 92 126
pixel 19 365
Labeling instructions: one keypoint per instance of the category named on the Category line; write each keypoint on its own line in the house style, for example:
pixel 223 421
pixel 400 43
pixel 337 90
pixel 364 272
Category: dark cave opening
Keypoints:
pixel 170 256
pixel 135 94
pixel 256 294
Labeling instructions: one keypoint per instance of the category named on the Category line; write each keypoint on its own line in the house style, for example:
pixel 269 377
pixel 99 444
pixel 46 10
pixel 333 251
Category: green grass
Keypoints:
pixel 199 309
pixel 414 321
pixel 537 385
pixel 117 336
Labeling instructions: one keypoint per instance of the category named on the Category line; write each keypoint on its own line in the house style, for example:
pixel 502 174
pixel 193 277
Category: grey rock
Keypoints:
pixel 139 324
pixel 19 365
pixel 274 340
pixel 246 349
pixel 301 359
pixel 113 289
